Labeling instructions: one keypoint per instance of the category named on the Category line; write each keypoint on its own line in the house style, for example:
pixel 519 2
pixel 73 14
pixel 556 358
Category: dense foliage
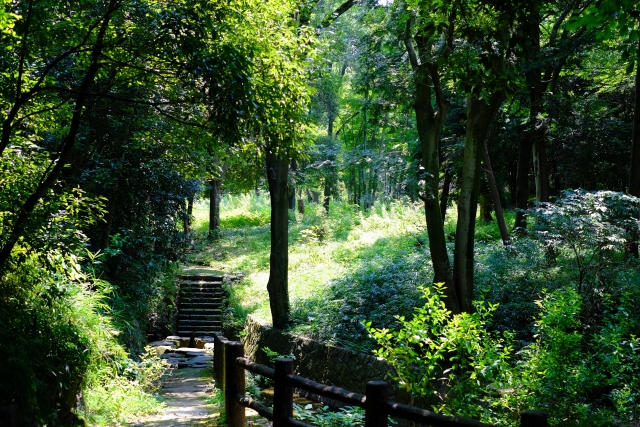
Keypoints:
pixel 364 120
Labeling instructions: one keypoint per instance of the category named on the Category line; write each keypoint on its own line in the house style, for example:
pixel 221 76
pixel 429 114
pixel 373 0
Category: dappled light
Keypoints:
pixel 443 194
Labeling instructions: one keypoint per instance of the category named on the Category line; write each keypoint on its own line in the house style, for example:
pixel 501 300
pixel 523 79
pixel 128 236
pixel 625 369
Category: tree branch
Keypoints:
pixel 7 125
pixel 413 57
pixel 67 146
pixel 336 13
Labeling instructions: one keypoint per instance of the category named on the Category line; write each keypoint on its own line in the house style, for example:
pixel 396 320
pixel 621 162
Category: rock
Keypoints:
pixel 162 349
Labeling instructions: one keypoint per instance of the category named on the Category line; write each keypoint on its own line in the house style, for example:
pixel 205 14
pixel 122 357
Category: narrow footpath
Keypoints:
pixel 187 389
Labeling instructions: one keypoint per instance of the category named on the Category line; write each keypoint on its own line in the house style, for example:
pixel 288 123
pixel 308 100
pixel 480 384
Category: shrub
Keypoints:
pixel 323 416
pixel 448 360
pixel 581 375
pixel 46 351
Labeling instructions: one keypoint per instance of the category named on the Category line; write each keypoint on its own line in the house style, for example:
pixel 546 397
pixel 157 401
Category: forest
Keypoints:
pixel 451 185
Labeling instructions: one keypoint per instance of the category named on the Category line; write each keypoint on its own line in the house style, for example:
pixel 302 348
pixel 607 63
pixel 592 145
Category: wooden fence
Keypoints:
pixel 229 370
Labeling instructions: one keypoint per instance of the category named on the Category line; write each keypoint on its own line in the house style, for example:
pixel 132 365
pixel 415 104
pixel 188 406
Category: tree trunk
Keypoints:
pixel 485 209
pixel 522 180
pixel 292 186
pixel 446 187
pixel 327 193
pixel 495 196
pixel 106 233
pixel 540 167
pixel 537 128
pixel 187 218
pixel 428 131
pixel 480 115
pixel 634 170
pixel 277 286
pixel 214 207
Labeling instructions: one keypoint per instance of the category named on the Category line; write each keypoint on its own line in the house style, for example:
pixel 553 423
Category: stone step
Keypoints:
pixel 202 294
pixel 201 277
pixel 199 294
pixel 200 316
pixel 199 310
pixel 201 291
pixel 201 297
pixel 202 333
pixel 194 322
pixel 209 285
pixel 200 327
pixel 218 292
pixel 186 301
pixel 195 306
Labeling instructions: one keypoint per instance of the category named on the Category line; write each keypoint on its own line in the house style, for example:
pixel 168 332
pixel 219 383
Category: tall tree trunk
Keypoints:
pixel 537 128
pixel 292 186
pixel 522 180
pixel 214 207
pixel 541 167
pixel 327 193
pixel 278 284
pixel 429 124
pixel 495 196
pixel 446 187
pixel 485 209
pixel 428 131
pixel 634 170
pixel 189 213
pixel 480 115
pixel 106 233
pixel 328 179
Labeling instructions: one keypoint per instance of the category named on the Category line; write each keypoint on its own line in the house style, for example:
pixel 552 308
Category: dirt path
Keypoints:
pixel 189 392
pixel 189 396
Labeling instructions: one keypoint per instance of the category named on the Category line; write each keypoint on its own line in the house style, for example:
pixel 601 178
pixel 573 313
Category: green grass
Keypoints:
pixel 344 267
pixel 352 266
pixel 349 234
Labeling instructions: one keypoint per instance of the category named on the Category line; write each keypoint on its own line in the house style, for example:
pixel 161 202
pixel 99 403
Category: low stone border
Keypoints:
pixel 323 363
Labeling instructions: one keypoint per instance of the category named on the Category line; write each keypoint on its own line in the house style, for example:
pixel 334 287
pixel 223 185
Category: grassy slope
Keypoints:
pixel 343 268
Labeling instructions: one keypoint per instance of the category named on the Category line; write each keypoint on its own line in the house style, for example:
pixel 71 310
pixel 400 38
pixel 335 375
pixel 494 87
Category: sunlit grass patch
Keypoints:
pixel 119 400
pixel 387 243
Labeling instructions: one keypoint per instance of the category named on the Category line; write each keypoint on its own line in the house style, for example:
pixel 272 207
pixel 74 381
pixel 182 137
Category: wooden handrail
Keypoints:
pixel 261 409
pixel 230 367
pixel 434 419
pixel 256 368
pixel 337 393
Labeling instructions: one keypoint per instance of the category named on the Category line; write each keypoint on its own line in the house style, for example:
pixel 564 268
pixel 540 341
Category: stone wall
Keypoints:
pixel 326 364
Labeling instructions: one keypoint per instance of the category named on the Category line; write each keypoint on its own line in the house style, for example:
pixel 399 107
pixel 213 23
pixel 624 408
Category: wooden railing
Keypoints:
pixel 230 366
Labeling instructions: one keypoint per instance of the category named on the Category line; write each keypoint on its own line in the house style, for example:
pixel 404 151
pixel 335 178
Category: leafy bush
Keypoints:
pixel 596 229
pixel 46 351
pixel 129 391
pixel 247 219
pixel 323 416
pixel 514 277
pixel 317 234
pixel 581 375
pixel 450 361
pixel 60 340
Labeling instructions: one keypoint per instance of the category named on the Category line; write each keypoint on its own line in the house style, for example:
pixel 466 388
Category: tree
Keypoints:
pixel 619 18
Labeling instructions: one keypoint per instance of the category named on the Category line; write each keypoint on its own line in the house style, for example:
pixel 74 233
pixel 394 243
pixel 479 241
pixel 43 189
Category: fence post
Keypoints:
pixel 234 385
pixel 376 404
pixel 534 419
pixel 282 393
pixel 218 360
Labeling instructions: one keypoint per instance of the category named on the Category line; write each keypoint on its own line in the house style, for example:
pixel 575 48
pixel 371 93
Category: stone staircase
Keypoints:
pixel 200 305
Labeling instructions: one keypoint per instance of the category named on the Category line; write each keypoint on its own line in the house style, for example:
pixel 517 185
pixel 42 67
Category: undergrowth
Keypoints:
pixel 561 300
